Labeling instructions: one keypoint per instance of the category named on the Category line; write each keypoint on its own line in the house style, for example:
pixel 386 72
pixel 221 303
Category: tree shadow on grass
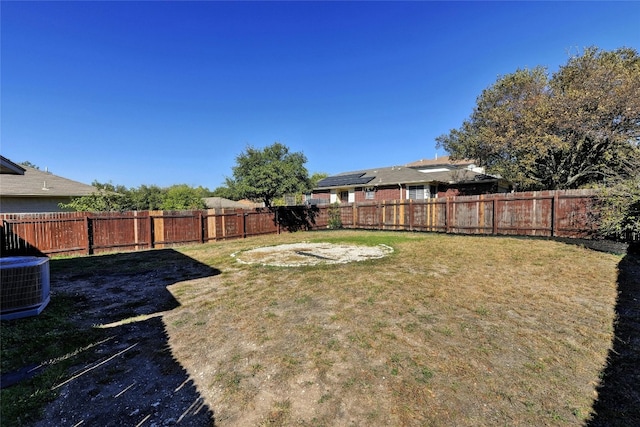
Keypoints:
pixel 129 376
pixel 618 402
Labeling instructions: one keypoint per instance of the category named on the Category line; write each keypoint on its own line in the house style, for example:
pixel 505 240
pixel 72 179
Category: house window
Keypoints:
pixel 369 193
pixel 344 196
pixel 416 192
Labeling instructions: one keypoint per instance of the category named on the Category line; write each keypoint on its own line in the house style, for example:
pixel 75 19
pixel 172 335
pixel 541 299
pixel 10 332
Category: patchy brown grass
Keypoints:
pixel 448 330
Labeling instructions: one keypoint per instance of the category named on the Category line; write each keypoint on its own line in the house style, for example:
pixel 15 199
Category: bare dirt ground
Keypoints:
pixel 299 254
pixel 133 378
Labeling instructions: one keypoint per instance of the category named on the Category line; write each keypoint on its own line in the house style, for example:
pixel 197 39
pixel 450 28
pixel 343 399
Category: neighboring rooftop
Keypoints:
pixel 36 183
pixel 222 203
pixel 441 161
pixel 398 175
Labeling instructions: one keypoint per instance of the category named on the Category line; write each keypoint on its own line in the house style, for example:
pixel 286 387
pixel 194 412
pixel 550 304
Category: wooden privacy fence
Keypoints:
pixel 546 213
pixel 569 213
pixel 66 233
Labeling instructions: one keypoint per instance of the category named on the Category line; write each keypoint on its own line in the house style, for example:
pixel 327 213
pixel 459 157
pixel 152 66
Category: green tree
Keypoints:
pixel 315 178
pixel 102 200
pixel 147 197
pixel 269 173
pixel 29 164
pixel 184 197
pixel 107 198
pixel 579 127
pixel 225 192
pixel 110 197
pixel 620 210
pixel 110 187
pixel 298 198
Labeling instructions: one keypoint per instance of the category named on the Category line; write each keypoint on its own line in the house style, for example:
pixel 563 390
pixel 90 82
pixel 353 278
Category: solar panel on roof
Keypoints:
pixel 339 180
pixel 363 180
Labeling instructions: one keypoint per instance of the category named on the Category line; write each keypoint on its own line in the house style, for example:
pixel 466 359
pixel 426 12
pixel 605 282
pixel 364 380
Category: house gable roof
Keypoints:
pixel 36 183
pixel 8 167
pixel 397 175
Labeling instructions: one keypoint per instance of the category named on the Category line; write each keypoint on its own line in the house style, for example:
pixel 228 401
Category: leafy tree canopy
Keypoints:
pixel 147 197
pixel 225 192
pixel 99 201
pixel 232 194
pixel 29 164
pixel 620 210
pixel 110 197
pixel 183 197
pixel 268 173
pixel 575 128
pixel 316 177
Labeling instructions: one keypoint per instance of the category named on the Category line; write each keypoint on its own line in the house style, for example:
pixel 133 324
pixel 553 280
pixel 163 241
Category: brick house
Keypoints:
pixel 419 180
pixel 28 190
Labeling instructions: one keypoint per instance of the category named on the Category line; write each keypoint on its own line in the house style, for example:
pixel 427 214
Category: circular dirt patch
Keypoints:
pixel 298 254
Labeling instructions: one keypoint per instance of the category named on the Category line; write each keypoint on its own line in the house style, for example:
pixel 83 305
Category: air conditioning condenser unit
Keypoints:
pixel 24 286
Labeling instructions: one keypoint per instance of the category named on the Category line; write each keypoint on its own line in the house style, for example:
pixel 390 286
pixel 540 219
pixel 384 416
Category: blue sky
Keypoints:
pixel 171 92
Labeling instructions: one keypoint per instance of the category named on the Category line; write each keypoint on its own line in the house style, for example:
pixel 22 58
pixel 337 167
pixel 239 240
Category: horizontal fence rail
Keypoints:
pixel 570 213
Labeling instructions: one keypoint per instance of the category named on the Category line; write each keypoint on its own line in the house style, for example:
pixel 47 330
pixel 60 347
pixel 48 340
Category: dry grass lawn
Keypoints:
pixel 447 330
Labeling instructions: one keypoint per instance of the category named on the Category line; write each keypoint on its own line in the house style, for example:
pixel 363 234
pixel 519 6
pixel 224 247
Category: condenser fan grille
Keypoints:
pixel 24 286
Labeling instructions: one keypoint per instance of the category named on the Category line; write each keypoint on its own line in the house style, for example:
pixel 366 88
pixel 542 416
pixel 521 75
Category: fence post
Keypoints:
pixel 201 220
pixel 158 230
pixel 433 214
pixel 212 233
pixel 494 221
pixel 411 209
pixel 223 223
pixel 447 215
pixel 354 215
pixel 150 229
pixel 136 230
pixel 244 225
pixel 554 213
pixel 480 208
pixel 87 225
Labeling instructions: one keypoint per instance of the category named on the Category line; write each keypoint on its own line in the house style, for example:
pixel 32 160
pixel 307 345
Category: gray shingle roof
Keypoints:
pixel 36 183
pixel 441 161
pixel 403 175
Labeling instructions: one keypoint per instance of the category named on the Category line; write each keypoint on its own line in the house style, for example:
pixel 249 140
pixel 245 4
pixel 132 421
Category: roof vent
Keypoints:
pixel 24 286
